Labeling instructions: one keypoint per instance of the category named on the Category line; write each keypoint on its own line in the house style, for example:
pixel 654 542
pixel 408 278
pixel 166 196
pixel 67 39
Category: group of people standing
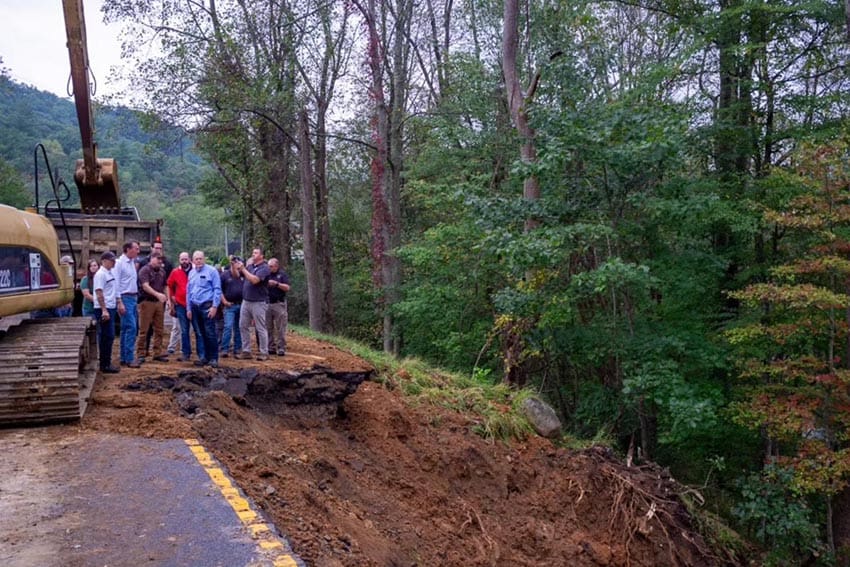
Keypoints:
pixel 141 291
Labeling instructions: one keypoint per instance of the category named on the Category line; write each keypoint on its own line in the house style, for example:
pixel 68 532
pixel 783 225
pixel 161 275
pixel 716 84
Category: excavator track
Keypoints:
pixel 47 370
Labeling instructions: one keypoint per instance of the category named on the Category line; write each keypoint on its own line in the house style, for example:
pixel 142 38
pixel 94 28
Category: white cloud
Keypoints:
pixel 32 45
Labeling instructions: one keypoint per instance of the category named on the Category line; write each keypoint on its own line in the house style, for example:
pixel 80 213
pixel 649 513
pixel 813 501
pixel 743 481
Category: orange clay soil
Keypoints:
pixel 394 481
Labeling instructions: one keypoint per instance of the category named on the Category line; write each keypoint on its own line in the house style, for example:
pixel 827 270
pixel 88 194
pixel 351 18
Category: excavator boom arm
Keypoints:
pixel 97 179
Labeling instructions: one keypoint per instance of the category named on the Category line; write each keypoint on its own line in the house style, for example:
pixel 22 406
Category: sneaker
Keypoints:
pixel 161 358
pixel 135 364
pixel 171 351
pixel 244 356
pixel 281 352
pixel 110 370
pixel 263 357
pixel 201 362
pixel 213 364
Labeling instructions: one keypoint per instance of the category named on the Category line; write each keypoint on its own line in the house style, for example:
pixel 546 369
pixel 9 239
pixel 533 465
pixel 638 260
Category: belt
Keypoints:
pixel 133 294
pixel 277 301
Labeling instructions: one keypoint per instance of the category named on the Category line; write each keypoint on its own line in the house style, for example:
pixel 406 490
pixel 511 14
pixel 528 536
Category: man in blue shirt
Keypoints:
pixel 128 290
pixel 203 296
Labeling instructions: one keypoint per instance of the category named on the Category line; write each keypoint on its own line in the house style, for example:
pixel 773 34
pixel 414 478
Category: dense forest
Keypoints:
pixel 159 171
pixel 639 210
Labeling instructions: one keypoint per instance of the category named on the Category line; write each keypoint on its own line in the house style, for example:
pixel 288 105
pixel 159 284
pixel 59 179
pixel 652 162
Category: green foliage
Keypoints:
pixel 190 225
pixel 682 408
pixel 13 192
pixel 779 516
pixel 793 384
pixel 159 162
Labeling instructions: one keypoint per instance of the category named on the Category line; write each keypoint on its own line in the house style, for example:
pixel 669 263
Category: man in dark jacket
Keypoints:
pixel 276 315
pixel 231 300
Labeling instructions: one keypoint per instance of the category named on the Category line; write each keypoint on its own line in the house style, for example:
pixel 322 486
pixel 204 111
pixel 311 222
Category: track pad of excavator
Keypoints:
pixel 98 193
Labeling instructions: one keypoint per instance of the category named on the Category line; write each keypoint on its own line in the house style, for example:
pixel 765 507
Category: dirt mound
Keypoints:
pixel 385 482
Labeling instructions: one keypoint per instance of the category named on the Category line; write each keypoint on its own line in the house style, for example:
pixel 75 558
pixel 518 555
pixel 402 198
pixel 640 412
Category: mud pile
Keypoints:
pixel 385 481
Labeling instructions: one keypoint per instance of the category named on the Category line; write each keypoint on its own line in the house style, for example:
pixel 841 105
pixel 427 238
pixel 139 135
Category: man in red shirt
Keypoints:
pixel 175 290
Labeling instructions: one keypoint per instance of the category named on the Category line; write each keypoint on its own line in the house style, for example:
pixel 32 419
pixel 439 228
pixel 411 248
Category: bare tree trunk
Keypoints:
pixel 308 211
pixel 387 137
pixel 381 184
pixel 518 102
pixel 512 340
pixel 325 246
pixel 275 198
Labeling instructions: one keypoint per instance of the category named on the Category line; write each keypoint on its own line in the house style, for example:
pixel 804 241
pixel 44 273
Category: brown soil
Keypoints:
pixel 389 481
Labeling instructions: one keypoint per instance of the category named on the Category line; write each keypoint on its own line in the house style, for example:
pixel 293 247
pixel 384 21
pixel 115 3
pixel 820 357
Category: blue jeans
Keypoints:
pixel 206 328
pixel 231 327
pixel 105 336
pixel 185 340
pixel 129 328
pixel 199 335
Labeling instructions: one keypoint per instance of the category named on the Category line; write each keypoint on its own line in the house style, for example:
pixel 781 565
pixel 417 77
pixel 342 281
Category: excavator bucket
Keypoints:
pixel 99 192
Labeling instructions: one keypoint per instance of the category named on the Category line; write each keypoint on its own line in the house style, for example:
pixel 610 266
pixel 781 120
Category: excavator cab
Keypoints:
pixel 96 179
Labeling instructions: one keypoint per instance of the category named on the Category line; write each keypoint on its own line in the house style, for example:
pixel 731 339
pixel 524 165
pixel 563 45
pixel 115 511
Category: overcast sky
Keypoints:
pixel 32 44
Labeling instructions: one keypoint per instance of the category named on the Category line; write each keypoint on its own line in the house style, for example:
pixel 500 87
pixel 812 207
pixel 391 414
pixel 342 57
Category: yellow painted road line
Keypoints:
pixel 260 531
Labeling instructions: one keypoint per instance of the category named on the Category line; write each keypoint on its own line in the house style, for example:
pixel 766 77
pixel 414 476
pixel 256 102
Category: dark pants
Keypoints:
pixel 206 328
pixel 185 340
pixel 106 336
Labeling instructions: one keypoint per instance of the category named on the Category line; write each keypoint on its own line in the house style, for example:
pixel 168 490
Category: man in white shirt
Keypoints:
pixel 128 295
pixel 105 301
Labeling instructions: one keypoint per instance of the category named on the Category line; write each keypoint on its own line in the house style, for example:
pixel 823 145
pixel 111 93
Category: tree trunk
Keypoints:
pixel 277 154
pixel 381 185
pixel 518 102
pixel 325 246
pixel 308 210
pixel 513 341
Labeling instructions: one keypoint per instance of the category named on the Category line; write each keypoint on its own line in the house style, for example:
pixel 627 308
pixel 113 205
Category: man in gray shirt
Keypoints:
pixel 255 298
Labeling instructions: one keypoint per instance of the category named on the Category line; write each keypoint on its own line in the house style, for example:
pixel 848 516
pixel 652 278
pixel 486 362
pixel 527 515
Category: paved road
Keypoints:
pixel 79 499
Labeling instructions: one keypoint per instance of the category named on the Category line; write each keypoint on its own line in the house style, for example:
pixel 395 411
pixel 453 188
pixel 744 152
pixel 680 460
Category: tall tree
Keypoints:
pixel 387 28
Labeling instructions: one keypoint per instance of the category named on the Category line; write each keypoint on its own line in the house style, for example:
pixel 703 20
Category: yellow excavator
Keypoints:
pixel 48 366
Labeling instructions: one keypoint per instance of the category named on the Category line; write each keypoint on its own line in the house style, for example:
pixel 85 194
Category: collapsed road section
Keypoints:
pixel 269 390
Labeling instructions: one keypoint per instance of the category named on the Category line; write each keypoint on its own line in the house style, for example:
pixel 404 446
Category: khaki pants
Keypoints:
pixel 256 311
pixel 151 313
pixel 276 320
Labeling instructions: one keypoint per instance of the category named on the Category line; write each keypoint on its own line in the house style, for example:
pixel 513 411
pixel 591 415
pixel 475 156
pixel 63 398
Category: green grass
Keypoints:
pixel 492 408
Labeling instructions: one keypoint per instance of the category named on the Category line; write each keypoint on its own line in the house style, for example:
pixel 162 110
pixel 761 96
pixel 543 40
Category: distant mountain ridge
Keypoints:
pixel 160 162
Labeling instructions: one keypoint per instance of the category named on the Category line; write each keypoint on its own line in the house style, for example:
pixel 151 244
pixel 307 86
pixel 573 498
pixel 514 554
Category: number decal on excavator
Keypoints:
pixel 23 270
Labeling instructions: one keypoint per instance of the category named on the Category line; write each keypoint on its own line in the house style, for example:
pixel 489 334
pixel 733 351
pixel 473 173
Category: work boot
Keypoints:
pixel 244 356
pixel 110 370
pixel 200 362
pixel 161 358
pixel 135 364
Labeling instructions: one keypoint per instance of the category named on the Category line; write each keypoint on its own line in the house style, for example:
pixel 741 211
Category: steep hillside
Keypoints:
pixel 152 155
pixel 394 480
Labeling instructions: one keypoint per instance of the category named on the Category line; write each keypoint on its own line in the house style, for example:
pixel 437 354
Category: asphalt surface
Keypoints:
pixel 70 498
